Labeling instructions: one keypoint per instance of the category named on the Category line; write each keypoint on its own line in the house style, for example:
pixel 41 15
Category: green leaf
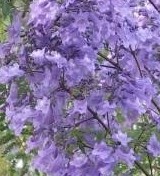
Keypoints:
pixel 6 7
pixel 6 137
pixel 120 117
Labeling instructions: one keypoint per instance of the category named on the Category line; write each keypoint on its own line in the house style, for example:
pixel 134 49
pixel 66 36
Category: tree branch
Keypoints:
pixel 95 116
pixel 110 61
pixel 136 60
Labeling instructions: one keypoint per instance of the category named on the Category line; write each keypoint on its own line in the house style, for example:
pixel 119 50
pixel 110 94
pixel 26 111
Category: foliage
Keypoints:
pixel 12 148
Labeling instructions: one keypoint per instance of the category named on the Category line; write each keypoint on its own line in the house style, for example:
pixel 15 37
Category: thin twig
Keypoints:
pixel 78 123
pixel 141 168
pixel 154 5
pixel 139 137
pixel 108 122
pixel 153 101
pixel 155 104
pixel 150 164
pixel 107 66
pixel 153 111
pixel 136 60
pixel 87 146
pixel 95 116
pixel 152 76
pixel 110 61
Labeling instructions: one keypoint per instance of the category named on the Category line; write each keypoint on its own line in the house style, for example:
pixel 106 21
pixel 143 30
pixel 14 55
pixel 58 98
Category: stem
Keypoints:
pixel 135 57
pixel 153 101
pixel 78 123
pixel 141 168
pixel 154 5
pixel 139 137
pixel 154 111
pixel 150 164
pixel 110 61
pixel 108 123
pixel 87 146
pixel 107 66
pixel 95 116
pixel 152 76
pixel 155 104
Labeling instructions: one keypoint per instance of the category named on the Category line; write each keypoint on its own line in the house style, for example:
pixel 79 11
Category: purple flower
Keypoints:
pixel 102 151
pixel 56 57
pixel 15 28
pixel 13 94
pixel 79 159
pixel 43 11
pixel 126 156
pixel 103 5
pixel 154 146
pixel 38 56
pixel 76 54
pixel 122 138
pixel 18 117
pixel 9 72
pixel 80 106
pixel 105 108
pixel 50 160
pixel 4 50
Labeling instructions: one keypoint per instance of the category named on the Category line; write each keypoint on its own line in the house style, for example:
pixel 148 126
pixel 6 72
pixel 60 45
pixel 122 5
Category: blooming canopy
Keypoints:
pixel 91 68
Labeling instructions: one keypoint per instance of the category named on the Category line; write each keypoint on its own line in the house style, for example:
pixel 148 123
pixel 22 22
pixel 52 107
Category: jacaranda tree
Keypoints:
pixel 91 72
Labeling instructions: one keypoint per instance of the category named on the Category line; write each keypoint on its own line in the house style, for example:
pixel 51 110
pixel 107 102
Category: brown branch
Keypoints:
pixel 136 60
pixel 110 61
pixel 95 116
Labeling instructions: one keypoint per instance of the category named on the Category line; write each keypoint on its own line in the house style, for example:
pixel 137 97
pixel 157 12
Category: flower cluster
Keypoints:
pixel 85 64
